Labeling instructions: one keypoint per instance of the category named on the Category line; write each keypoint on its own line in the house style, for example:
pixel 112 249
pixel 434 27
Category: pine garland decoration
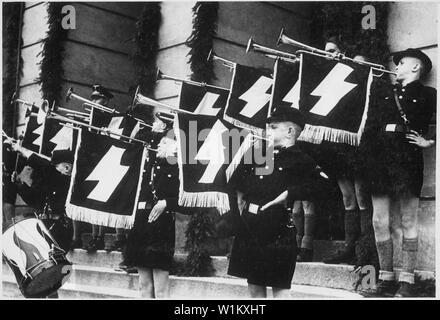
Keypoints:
pixel 200 227
pixel 11 30
pixel 201 40
pixel 144 56
pixel 198 233
pixel 51 65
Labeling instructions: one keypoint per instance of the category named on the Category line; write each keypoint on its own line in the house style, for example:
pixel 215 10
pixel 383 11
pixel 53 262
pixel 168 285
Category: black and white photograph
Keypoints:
pixel 226 151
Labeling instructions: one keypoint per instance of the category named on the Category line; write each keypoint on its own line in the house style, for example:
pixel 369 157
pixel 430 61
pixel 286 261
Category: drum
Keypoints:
pixel 38 263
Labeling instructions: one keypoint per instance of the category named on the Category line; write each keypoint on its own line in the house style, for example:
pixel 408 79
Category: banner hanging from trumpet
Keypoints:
pixel 205 100
pixel 334 96
pixel 206 162
pixel 33 134
pixel 43 134
pixel 248 101
pixel 106 180
pixel 119 123
pixel 56 136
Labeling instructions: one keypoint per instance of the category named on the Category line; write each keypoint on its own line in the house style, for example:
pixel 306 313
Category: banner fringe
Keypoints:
pixel 211 199
pixel 99 217
pixel 243 125
pixel 316 134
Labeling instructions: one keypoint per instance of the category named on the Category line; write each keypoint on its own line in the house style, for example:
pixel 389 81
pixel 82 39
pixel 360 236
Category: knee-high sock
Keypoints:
pixel 309 231
pixel 366 217
pixel 351 227
pixel 298 221
pixel 385 253
pixel 409 259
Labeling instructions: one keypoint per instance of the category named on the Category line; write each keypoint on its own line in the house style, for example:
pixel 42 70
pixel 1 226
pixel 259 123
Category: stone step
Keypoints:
pixel 71 291
pixel 322 248
pixel 105 259
pixel 312 274
pixel 180 288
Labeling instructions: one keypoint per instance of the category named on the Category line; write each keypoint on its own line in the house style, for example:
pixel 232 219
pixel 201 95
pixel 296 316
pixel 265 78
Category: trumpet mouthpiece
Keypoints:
pixel 280 37
pixel 209 55
pixel 249 45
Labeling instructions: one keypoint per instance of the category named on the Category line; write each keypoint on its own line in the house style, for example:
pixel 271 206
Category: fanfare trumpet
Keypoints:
pixel 70 94
pixel 226 63
pixel 271 53
pixel 56 116
pixel 139 98
pixel 46 108
pixel 312 50
pixel 161 76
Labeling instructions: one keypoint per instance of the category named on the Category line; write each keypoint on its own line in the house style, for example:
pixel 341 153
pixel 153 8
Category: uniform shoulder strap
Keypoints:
pixel 401 112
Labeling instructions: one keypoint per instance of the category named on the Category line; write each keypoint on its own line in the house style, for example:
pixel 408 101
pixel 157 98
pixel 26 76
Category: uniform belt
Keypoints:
pixel 392 127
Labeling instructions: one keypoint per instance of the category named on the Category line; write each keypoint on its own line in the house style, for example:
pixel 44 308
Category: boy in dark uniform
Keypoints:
pixel 394 138
pixel 151 241
pixel 264 250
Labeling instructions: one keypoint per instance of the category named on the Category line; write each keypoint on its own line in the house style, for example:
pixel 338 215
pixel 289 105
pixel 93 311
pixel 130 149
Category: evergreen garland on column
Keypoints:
pixel 201 40
pixel 200 227
pixel 146 46
pixel 12 12
pixel 51 65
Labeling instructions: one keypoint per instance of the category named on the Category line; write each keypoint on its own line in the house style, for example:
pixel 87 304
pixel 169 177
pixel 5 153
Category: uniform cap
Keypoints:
pixel 59 156
pixel 415 53
pixel 283 114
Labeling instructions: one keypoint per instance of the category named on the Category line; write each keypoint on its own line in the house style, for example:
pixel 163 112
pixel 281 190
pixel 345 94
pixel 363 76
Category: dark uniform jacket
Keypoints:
pixel 264 248
pixel 151 244
pixel 49 188
pixel 395 165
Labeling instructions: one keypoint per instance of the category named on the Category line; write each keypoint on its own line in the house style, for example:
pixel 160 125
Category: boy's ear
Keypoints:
pixel 417 66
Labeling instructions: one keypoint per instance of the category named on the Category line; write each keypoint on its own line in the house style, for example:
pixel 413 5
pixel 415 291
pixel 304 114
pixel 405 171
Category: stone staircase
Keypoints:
pixel 96 276
pixel 89 281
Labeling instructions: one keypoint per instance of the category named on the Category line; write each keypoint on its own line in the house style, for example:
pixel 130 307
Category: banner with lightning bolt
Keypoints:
pixel 35 123
pixel 119 123
pixel 249 98
pixel 286 85
pixel 334 96
pixel 106 180
pixel 56 136
pixel 208 153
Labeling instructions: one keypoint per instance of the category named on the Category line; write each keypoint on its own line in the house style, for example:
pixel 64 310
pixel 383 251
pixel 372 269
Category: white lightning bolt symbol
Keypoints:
pixel 63 139
pixel 332 89
pixel 39 131
pixel 114 126
pixel 205 106
pixel 108 173
pixel 293 96
pixel 212 150
pixel 256 97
